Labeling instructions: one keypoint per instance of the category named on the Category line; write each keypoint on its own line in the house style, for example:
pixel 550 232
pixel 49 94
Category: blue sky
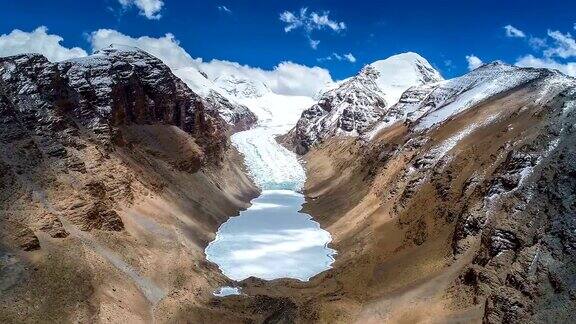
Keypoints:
pixel 251 32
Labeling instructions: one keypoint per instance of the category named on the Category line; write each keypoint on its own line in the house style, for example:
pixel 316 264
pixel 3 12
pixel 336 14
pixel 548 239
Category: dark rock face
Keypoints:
pixel 27 240
pixel 58 118
pixel 352 108
pixel 111 88
pixel 527 261
pixel 237 116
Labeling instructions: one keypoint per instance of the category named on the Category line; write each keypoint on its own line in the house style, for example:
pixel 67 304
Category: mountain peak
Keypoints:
pixel 240 87
pixel 401 71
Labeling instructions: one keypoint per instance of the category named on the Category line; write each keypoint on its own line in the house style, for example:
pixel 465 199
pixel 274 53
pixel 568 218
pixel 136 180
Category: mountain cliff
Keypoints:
pixel 359 102
pixel 111 168
pixel 461 203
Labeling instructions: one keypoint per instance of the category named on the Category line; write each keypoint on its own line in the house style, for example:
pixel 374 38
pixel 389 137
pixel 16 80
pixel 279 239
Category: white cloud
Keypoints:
pixel 565 45
pixel 568 68
pixel 166 48
pixel 148 8
pixel 321 21
pixel 473 61
pixel 37 41
pixel 285 78
pixel 313 43
pixel 537 42
pixel 554 55
pixel 310 22
pixel 514 32
pixel 350 57
pixel 224 9
pixel 335 56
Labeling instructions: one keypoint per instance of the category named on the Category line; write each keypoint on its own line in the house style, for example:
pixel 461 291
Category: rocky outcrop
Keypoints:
pixel 465 193
pixel 358 103
pixel 237 116
pixel 114 176
pixel 52 114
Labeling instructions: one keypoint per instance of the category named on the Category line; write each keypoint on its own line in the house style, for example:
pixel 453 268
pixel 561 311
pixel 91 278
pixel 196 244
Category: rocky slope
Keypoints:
pixel 462 205
pixel 359 102
pixel 236 115
pixel 114 175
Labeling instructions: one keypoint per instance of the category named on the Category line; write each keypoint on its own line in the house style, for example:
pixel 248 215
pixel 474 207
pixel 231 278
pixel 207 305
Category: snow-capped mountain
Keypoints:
pixel 241 87
pixel 270 165
pixel 428 105
pixel 238 116
pixel 360 101
pixel 99 91
pixel 484 165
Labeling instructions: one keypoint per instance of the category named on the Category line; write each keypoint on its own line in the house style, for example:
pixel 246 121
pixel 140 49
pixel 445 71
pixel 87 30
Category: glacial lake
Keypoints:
pixel 272 240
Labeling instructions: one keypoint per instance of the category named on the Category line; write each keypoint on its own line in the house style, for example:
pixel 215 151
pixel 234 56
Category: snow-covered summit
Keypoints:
pixel 360 101
pixel 242 87
pixel 429 105
pixel 402 71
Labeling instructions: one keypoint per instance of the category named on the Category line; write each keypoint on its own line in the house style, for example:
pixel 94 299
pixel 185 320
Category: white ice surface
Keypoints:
pixel 271 165
pixel 227 291
pixel 272 240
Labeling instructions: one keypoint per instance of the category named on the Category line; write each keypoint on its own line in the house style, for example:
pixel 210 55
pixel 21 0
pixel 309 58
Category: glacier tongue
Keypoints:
pixel 271 165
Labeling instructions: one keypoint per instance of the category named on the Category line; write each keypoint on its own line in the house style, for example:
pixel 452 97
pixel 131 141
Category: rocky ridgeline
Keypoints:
pixel 489 157
pixel 56 118
pixel 517 204
pixel 111 88
pixel 358 103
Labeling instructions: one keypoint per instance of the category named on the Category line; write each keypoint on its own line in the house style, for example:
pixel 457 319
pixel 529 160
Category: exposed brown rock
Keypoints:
pixel 26 239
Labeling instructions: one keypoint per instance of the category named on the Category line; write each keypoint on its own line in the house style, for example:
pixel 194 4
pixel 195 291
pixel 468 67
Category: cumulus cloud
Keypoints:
pixel 473 61
pixel 148 8
pixel 225 9
pixel 286 78
pixel 557 50
pixel 166 48
pixel 564 45
pixel 310 22
pixel 37 41
pixel 335 56
pixel 513 32
pixel 568 68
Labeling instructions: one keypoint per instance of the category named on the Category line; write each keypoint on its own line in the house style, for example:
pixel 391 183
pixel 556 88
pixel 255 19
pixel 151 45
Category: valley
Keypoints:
pixel 136 192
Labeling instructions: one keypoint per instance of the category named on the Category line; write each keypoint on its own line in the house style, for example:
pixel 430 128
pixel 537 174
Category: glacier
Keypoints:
pixel 271 165
pixel 272 239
